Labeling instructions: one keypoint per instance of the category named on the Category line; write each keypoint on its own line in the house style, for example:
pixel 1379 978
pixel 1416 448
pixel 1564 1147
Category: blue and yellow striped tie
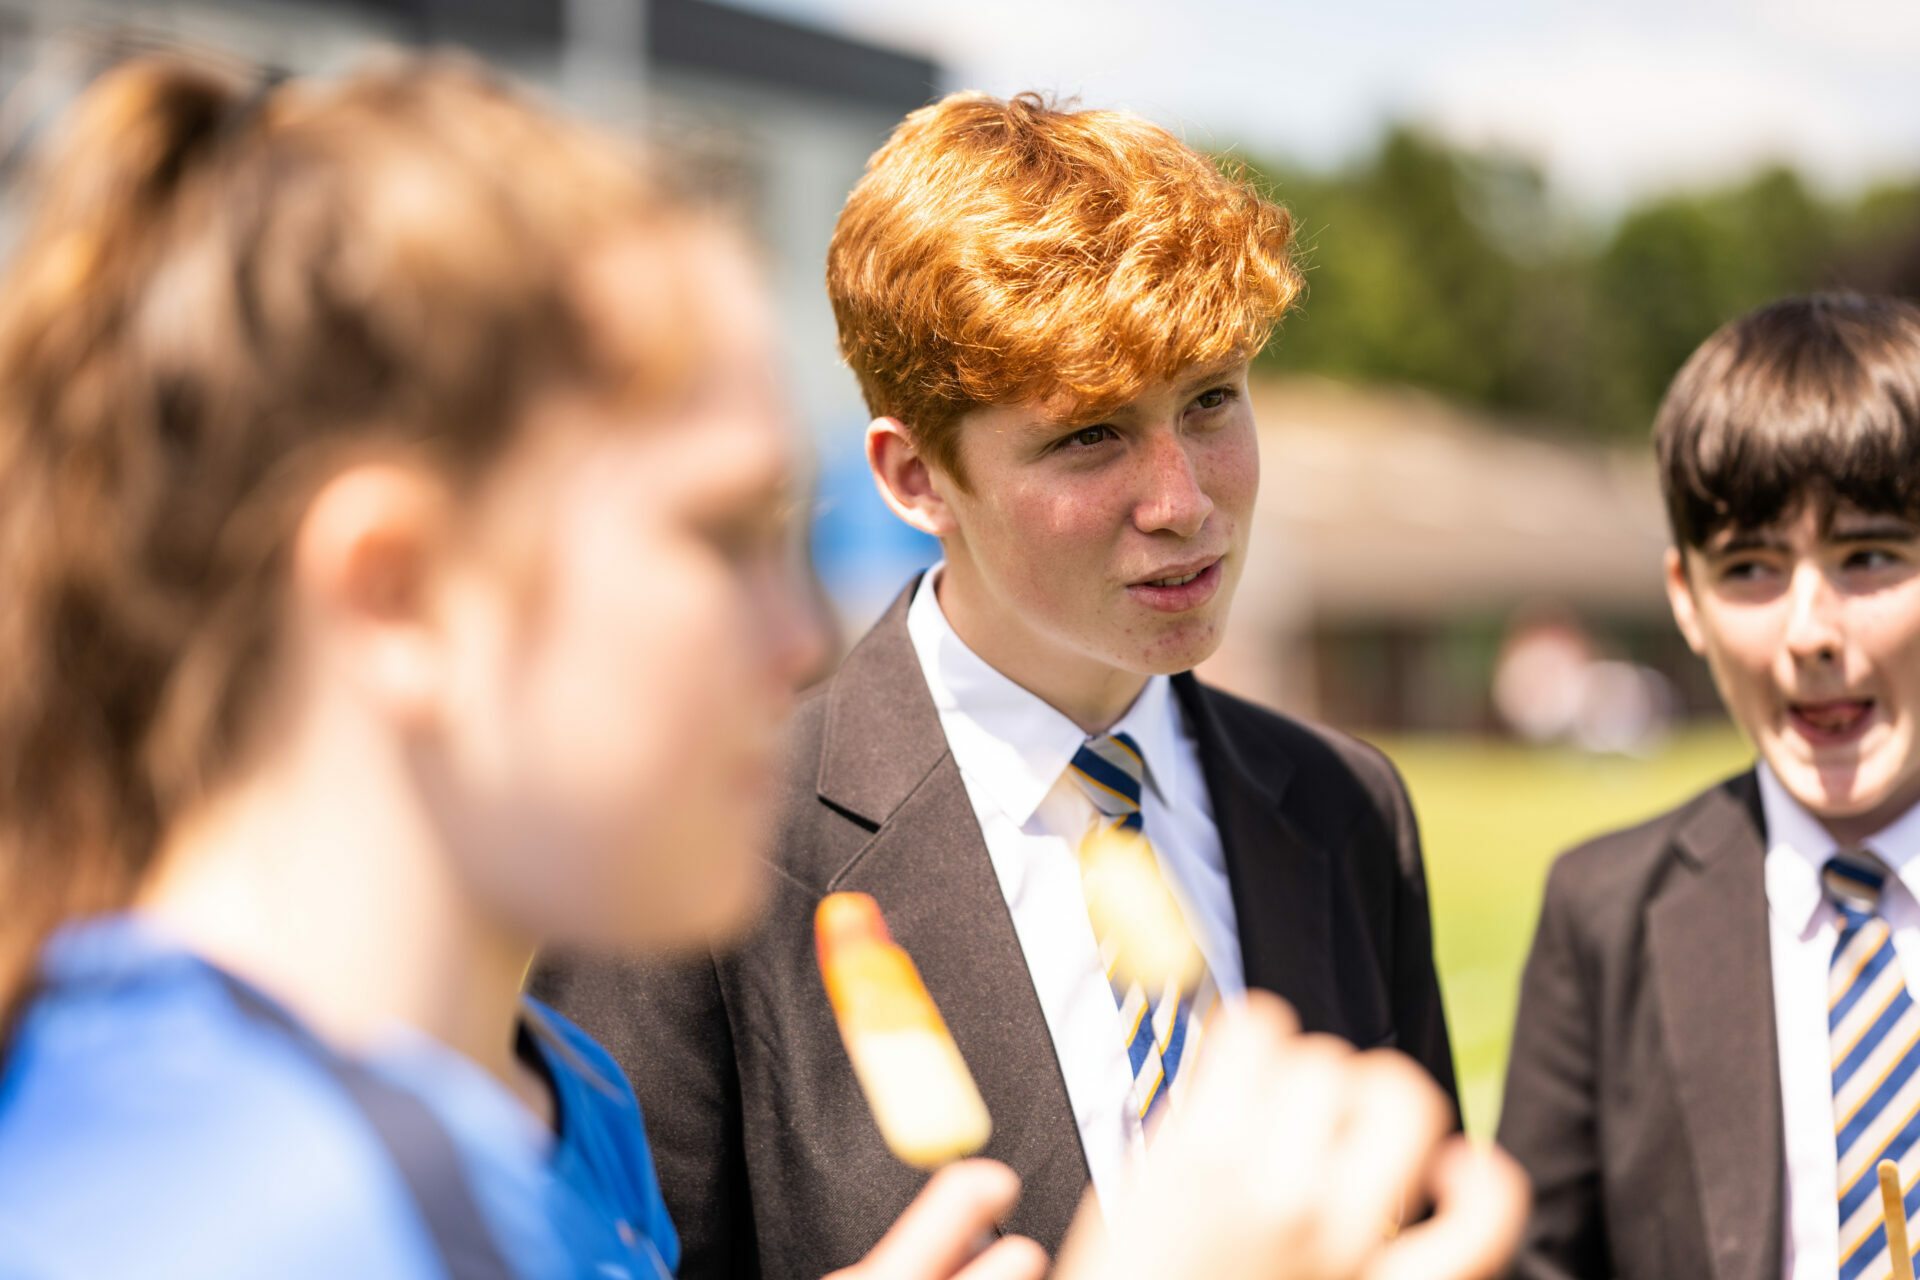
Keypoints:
pixel 1162 1028
pixel 1874 1027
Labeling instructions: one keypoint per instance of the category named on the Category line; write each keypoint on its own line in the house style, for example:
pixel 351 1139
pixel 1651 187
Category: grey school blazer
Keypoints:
pixel 1643 1094
pixel 769 1159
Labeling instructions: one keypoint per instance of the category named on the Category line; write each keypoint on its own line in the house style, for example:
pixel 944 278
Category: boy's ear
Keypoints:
pixel 1686 611
pixel 906 479
pixel 363 557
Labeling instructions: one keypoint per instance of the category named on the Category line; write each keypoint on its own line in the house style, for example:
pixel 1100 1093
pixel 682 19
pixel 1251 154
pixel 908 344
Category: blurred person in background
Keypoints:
pixel 1051 314
pixel 1716 1041
pixel 396 577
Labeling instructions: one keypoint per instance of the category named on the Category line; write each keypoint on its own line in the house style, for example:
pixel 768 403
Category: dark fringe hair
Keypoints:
pixel 1807 400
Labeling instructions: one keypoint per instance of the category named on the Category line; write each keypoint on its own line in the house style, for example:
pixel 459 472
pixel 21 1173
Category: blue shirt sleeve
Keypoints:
pixel 604 1132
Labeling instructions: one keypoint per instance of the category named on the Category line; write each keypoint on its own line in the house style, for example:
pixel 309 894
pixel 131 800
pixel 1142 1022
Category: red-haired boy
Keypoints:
pixel 1051 315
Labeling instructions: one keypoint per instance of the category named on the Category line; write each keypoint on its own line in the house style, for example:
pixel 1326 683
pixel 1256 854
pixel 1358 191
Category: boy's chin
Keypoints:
pixel 1178 649
pixel 1863 789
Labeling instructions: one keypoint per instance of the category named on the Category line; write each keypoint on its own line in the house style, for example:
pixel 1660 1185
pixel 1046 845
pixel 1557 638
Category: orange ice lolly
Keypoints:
pixel 922 1095
pixel 1128 901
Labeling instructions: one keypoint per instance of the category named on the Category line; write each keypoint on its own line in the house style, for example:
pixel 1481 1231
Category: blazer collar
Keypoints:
pixel 882 735
pixel 1713 968
pixel 1283 884
pixel 1726 822
pixel 1224 753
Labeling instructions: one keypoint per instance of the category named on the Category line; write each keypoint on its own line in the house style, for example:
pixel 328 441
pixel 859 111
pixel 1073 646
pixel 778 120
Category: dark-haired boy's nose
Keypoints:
pixel 1814 630
pixel 1172 500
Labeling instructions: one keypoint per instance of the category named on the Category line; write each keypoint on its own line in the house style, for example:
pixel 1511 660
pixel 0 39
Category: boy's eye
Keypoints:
pixel 1743 570
pixel 1870 558
pixel 1213 399
pixel 1087 437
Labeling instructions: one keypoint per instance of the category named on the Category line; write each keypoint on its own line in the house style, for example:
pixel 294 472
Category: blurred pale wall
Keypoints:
pixel 1388 514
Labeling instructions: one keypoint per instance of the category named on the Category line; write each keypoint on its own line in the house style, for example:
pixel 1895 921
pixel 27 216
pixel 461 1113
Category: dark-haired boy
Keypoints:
pixel 1051 314
pixel 1717 1039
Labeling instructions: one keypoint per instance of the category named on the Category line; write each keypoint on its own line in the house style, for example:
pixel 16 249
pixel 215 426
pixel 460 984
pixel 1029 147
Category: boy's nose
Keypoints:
pixel 1174 501
pixel 1814 630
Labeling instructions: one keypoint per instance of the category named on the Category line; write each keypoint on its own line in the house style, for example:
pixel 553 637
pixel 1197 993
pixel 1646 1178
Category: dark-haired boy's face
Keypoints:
pixel 1812 629
pixel 1108 550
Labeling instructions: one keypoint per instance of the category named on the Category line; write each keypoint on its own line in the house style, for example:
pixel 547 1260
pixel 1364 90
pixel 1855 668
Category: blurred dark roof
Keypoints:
pixel 692 34
pixel 712 37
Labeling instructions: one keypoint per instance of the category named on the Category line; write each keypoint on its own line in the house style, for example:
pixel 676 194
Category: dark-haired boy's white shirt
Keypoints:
pixel 1012 750
pixel 1802 928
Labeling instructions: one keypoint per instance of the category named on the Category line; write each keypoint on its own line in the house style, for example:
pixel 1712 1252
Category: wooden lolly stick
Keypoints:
pixel 1893 1208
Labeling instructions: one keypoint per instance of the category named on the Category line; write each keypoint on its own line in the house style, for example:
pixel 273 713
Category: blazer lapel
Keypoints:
pixel 1282 885
pixel 885 761
pixel 883 734
pixel 1713 967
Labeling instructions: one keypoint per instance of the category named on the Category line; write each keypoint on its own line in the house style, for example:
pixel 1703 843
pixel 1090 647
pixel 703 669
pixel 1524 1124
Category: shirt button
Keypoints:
pixel 626 1232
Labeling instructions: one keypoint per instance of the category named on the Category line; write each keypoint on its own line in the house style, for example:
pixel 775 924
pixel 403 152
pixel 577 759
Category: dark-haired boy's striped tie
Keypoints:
pixel 1161 1027
pixel 1874 1028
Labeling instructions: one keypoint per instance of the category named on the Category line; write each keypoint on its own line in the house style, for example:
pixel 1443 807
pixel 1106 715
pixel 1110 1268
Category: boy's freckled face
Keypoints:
pixel 1118 542
pixel 1813 636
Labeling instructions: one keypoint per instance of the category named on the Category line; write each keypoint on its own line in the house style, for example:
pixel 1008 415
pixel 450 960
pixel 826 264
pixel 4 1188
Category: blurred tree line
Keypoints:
pixel 1456 271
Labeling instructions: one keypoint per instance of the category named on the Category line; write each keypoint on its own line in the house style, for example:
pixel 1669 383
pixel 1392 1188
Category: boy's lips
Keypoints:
pixel 1832 721
pixel 1181 588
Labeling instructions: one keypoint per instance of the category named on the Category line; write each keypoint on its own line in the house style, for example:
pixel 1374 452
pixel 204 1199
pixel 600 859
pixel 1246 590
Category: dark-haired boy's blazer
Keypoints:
pixel 768 1156
pixel 1643 1095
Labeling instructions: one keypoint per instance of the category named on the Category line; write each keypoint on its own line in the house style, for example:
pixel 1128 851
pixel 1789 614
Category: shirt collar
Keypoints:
pixel 1008 740
pixel 1798 848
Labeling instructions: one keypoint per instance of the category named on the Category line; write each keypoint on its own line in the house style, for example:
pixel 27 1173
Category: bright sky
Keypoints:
pixel 1614 97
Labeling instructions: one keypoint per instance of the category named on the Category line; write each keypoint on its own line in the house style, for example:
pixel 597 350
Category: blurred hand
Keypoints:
pixel 942 1233
pixel 1292 1159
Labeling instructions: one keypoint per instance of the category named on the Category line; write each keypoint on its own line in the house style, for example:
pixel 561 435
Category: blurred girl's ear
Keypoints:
pixel 363 562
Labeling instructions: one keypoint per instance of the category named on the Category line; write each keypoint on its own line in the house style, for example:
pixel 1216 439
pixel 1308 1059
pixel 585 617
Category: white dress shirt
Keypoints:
pixel 1803 926
pixel 1013 750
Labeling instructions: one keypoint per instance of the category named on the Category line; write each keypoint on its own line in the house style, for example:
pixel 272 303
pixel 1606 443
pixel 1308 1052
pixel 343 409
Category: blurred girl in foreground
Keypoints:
pixel 396 578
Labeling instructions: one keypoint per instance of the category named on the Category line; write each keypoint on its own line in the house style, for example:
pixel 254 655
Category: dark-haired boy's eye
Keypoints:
pixel 1870 558
pixel 1742 570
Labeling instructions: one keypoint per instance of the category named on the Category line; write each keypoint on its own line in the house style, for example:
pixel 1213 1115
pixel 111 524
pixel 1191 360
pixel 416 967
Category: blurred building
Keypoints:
pixel 1400 544
pixel 779 116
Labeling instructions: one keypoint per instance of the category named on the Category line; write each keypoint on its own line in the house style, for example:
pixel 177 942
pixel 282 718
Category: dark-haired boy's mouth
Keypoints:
pixel 1834 720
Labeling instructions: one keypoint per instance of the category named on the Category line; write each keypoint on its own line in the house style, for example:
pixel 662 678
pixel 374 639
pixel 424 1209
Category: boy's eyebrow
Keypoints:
pixel 1872 529
pixel 1744 540
pixel 1215 374
pixel 1047 424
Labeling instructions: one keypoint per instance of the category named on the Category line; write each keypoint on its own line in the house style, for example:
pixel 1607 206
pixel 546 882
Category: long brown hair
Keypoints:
pixel 223 288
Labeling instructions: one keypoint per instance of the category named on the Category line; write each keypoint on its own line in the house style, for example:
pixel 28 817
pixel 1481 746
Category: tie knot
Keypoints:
pixel 1110 770
pixel 1853 879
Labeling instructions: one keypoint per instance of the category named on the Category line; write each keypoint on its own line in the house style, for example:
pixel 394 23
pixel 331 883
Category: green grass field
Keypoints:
pixel 1493 815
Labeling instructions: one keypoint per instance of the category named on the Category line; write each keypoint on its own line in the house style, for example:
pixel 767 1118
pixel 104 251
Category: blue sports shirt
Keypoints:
pixel 149 1127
